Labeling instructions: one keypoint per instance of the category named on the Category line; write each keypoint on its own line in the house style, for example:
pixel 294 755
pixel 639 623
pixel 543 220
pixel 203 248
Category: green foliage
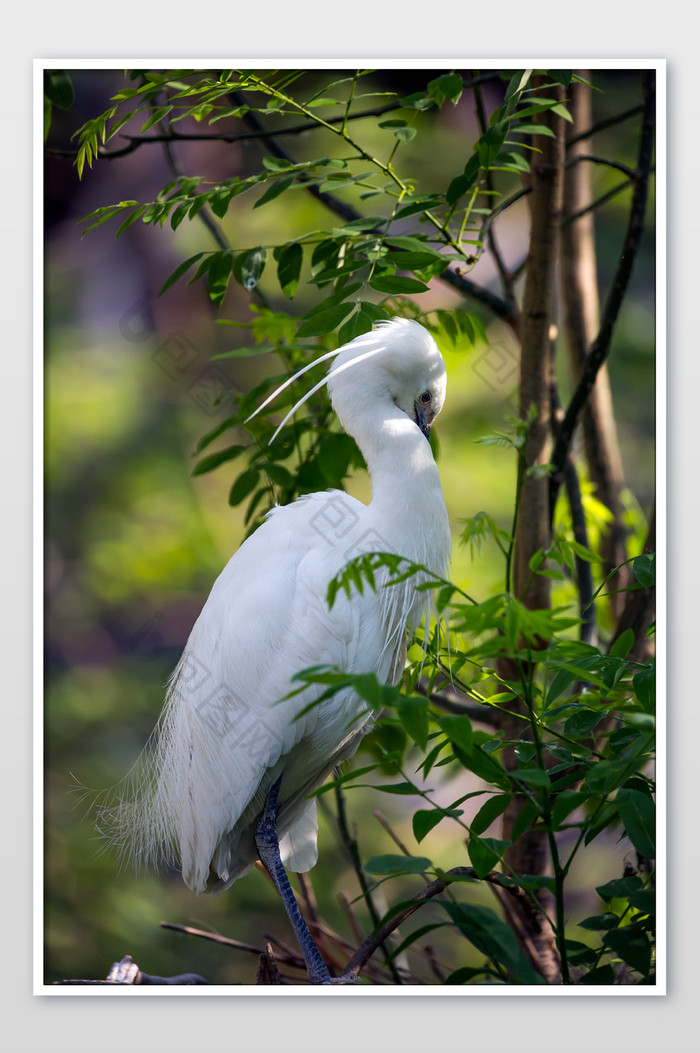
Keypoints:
pixel 584 752
pixel 582 759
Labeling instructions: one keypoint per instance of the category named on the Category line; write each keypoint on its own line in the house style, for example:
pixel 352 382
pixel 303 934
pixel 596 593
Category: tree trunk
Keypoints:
pixel 581 314
pixel 529 854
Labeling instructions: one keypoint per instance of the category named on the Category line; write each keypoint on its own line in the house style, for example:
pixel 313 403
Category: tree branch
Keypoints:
pixel 127 972
pixel 435 888
pixel 501 308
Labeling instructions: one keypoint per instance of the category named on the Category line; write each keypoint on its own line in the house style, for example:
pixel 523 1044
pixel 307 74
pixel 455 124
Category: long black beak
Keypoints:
pixel 422 422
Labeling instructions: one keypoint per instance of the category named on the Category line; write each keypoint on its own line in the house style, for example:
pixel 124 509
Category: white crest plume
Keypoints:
pixel 312 391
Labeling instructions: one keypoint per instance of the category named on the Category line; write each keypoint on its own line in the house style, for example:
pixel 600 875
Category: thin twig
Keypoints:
pixel 351 917
pixel 353 851
pixel 584 573
pixel 204 213
pixel 392 834
pixel 602 125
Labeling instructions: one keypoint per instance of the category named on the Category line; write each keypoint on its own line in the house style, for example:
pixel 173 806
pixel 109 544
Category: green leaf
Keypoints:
pixel 517 82
pixel 361 321
pixel 464 182
pixel 417 934
pixel 278 473
pixel 398 865
pixel 404 789
pixel 244 485
pixel 631 943
pixel 289 263
pixel 607 775
pixel 275 189
pixel 603 975
pixel 179 271
pixel 393 283
pixel 580 953
pixel 464 975
pixel 219 199
pixel 210 436
pixel 207 464
pixel 425 820
pixel 58 88
pixel 528 128
pixel 644 570
pixel 582 722
pixel 447 87
pixel 586 554
pixel 276 164
pixel 218 275
pixel 561 76
pixel 489 812
pixel 418 204
pixel 409 261
pixel 524 819
pixel 600 922
pixel 362 223
pixel 413 715
pixel 619 888
pixel 324 102
pixel 334 457
pixel 565 803
pixel 412 244
pixel 485 930
pixel 533 777
pixel 561 111
pixel 529 881
pixel 512 162
pixel 644 684
pixel 483 765
pixel 485 853
pixel 417 101
pixel 136 214
pixel 490 143
pixel 561 681
pixel 638 814
pixel 644 900
pixel 623 645
pixel 325 321
pixel 248 267
pixel 179 213
pixel 157 115
pixel 458 730
pixel 623 738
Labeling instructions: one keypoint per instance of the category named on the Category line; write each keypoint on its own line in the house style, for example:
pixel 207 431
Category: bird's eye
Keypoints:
pixel 425 397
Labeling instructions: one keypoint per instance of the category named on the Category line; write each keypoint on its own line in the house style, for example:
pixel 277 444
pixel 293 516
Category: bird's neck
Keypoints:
pixel 407 508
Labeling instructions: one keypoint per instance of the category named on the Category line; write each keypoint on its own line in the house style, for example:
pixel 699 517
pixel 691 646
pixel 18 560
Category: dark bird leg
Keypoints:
pixel 267 843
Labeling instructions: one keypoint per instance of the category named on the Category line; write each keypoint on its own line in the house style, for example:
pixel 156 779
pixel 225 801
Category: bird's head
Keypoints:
pixel 400 360
pixel 397 361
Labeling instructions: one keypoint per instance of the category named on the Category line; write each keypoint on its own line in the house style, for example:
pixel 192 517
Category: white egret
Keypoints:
pixel 230 767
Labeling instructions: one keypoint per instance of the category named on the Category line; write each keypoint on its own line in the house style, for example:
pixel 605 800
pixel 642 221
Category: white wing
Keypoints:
pixel 224 735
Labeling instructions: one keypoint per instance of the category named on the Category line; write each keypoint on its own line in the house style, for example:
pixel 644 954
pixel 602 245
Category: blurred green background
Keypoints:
pixel 134 541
